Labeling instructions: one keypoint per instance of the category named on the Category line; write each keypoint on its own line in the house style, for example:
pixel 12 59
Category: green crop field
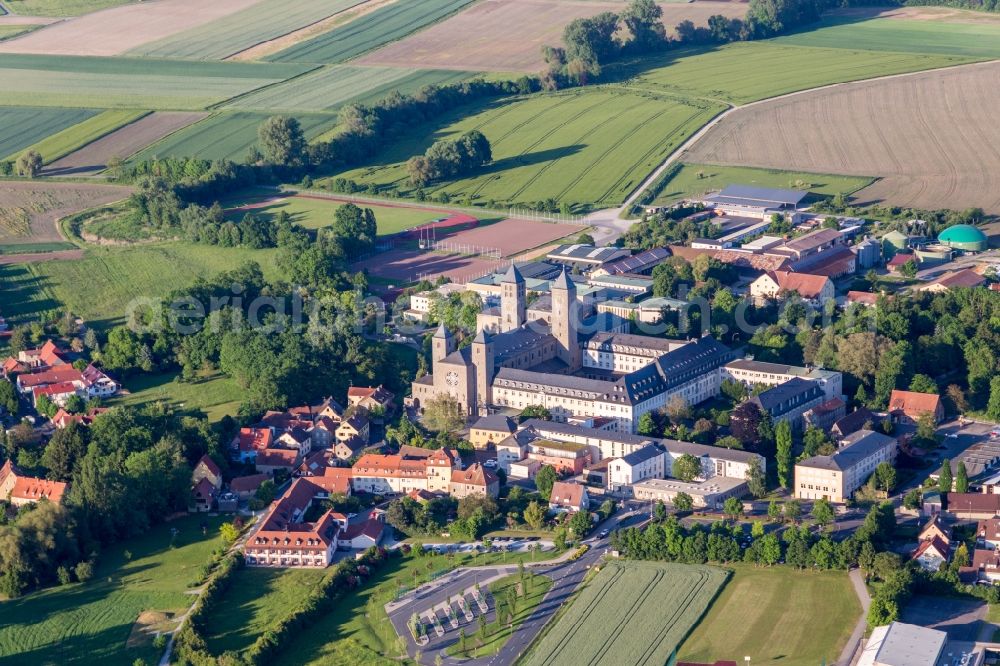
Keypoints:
pixel 692 180
pixel 630 613
pixel 974 40
pixel 215 395
pixel 87 623
pixel 316 213
pixel 60 7
pixel 370 31
pixel 237 32
pixel 100 286
pixel 72 138
pixel 21 127
pixel 8 31
pixel 772 614
pixel 748 71
pixel 588 147
pixel 227 135
pixel 329 88
pixel 135 83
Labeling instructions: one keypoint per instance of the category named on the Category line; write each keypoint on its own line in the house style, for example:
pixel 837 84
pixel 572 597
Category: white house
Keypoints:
pixel 648 462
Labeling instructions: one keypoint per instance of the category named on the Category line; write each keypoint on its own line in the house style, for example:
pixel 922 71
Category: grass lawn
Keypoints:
pixel 316 213
pixel 698 179
pixel 257 598
pixel 100 286
pixel 777 615
pixel 538 586
pixel 588 147
pixel 88 623
pixel 215 395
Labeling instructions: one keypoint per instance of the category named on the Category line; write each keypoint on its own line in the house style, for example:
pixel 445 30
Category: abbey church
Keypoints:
pixel 573 373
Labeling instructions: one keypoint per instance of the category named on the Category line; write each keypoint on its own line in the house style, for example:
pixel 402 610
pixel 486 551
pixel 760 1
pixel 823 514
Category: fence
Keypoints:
pixel 463 248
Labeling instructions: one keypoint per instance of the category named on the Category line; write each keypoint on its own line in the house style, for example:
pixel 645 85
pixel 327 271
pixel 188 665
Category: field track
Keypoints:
pixel 923 156
pixel 119 29
pixel 508 35
pixel 122 143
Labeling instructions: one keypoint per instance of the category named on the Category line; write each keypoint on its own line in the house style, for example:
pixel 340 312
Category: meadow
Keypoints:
pixel 100 286
pixel 589 147
pixel 329 88
pixel 86 623
pixel 382 26
pixel 72 138
pixel 214 394
pixel 243 29
pixel 60 7
pixel 103 82
pixel 773 615
pixel 21 127
pixel 226 135
pixel 630 613
pixel 693 180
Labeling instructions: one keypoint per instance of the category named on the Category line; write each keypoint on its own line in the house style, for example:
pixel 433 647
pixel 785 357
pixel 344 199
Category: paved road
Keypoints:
pixel 566 576
pixel 851 652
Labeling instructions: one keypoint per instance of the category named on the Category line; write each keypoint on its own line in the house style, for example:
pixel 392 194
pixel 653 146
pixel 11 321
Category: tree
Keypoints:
pixel 29 163
pixel 659 511
pixel 944 478
pixel 732 508
pixel 961 557
pixel 282 141
pixel 683 502
pixel 961 478
pixel 885 476
pixel 822 512
pixel 677 409
pixel 545 478
pixel 793 510
pixel 923 384
pixel 443 413
pixel 783 455
pixel 229 533
pixel 580 524
pixel 647 426
pixel 773 510
pixel 534 515
pixel 8 398
pixel 355 228
pixel 744 423
pixel 755 479
pixel 757 529
pixel 912 499
pixel 535 412
pixel 993 406
pixel 686 468
pixel 64 451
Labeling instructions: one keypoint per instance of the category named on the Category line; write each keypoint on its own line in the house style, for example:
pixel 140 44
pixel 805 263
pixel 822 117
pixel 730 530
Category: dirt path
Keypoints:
pixel 853 643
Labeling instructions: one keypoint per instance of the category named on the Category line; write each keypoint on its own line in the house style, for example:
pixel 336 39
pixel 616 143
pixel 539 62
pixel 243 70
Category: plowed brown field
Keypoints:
pixel 508 35
pixel 931 137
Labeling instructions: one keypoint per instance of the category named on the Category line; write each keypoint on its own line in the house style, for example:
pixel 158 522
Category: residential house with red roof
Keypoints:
pixel 206 483
pixel 361 536
pixel 909 406
pixel 933 546
pixel 20 489
pixel 272 460
pixel 568 496
pixel 287 537
pixel 248 442
pixel 355 427
pixel 474 480
pixel 370 397
pixel 63 418
pixel 411 469
pixel 57 394
pixel 246 487
pixel 988 533
pixel 771 285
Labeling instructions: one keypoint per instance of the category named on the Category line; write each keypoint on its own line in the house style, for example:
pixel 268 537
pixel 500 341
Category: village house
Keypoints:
pixel 348 449
pixel 567 496
pixel 909 406
pixel 248 442
pixel 62 418
pixel 491 430
pixel 825 414
pixel 648 462
pixel 860 418
pixel 246 487
pixel 361 536
pixel 972 506
pixel 771 285
pixel 20 489
pixel 269 461
pixel 986 565
pixel 474 480
pixel 961 278
pixel 370 398
pixel 355 427
pixel 206 483
pixel 933 545
pixel 29 360
pixel 988 533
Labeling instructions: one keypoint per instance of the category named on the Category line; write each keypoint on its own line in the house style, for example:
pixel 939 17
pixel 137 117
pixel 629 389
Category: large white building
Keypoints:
pixel 836 477
pixel 752 373
pixel 649 462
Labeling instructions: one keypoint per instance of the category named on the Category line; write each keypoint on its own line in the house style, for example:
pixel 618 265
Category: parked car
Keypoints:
pixel 492 462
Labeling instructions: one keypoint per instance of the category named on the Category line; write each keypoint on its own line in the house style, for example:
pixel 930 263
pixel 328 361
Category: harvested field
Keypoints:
pixel 240 30
pixel 114 31
pixel 370 31
pixel 29 209
pixel 21 127
pixel 225 136
pixel 329 88
pixel 122 143
pixel 509 236
pixel 630 613
pixel 930 137
pixel 411 265
pixel 508 35
pixel 132 83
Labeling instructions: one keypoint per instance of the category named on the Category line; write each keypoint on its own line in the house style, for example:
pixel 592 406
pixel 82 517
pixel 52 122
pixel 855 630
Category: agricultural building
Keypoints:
pixel 964 237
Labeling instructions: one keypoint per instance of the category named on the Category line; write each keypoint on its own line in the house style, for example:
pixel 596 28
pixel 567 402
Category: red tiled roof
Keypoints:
pixel 566 494
pixel 805 284
pixel 62 388
pixel 203 489
pixel 279 526
pixel 985 559
pixel 57 375
pixel 252 439
pixel 899 259
pixel 247 484
pixel 209 465
pixel 973 502
pixel 960 278
pixel 334 480
pixel 30 488
pixel 864 297
pixel 277 458
pixel 936 543
pixel 475 474
pixel 912 403
pixel 371 528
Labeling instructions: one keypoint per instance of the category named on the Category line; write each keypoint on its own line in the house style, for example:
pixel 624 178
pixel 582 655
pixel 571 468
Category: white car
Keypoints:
pixel 952 435
pixel 492 462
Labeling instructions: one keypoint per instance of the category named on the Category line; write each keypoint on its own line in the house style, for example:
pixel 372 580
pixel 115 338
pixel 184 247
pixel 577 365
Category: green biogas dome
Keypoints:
pixel 964 237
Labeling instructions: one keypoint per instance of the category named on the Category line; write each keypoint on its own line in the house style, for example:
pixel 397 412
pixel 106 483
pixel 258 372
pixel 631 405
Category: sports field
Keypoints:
pixel 774 616
pixel 370 31
pixel 243 29
pixel 630 613
pixel 87 623
pixel 329 88
pixel 63 143
pixel 134 83
pixel 20 127
pixel 924 157
pixel 215 395
pixel 588 147
pixel 226 135
pixel 693 180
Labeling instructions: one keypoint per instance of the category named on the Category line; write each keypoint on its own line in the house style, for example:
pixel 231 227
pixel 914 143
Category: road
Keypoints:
pixel 566 576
